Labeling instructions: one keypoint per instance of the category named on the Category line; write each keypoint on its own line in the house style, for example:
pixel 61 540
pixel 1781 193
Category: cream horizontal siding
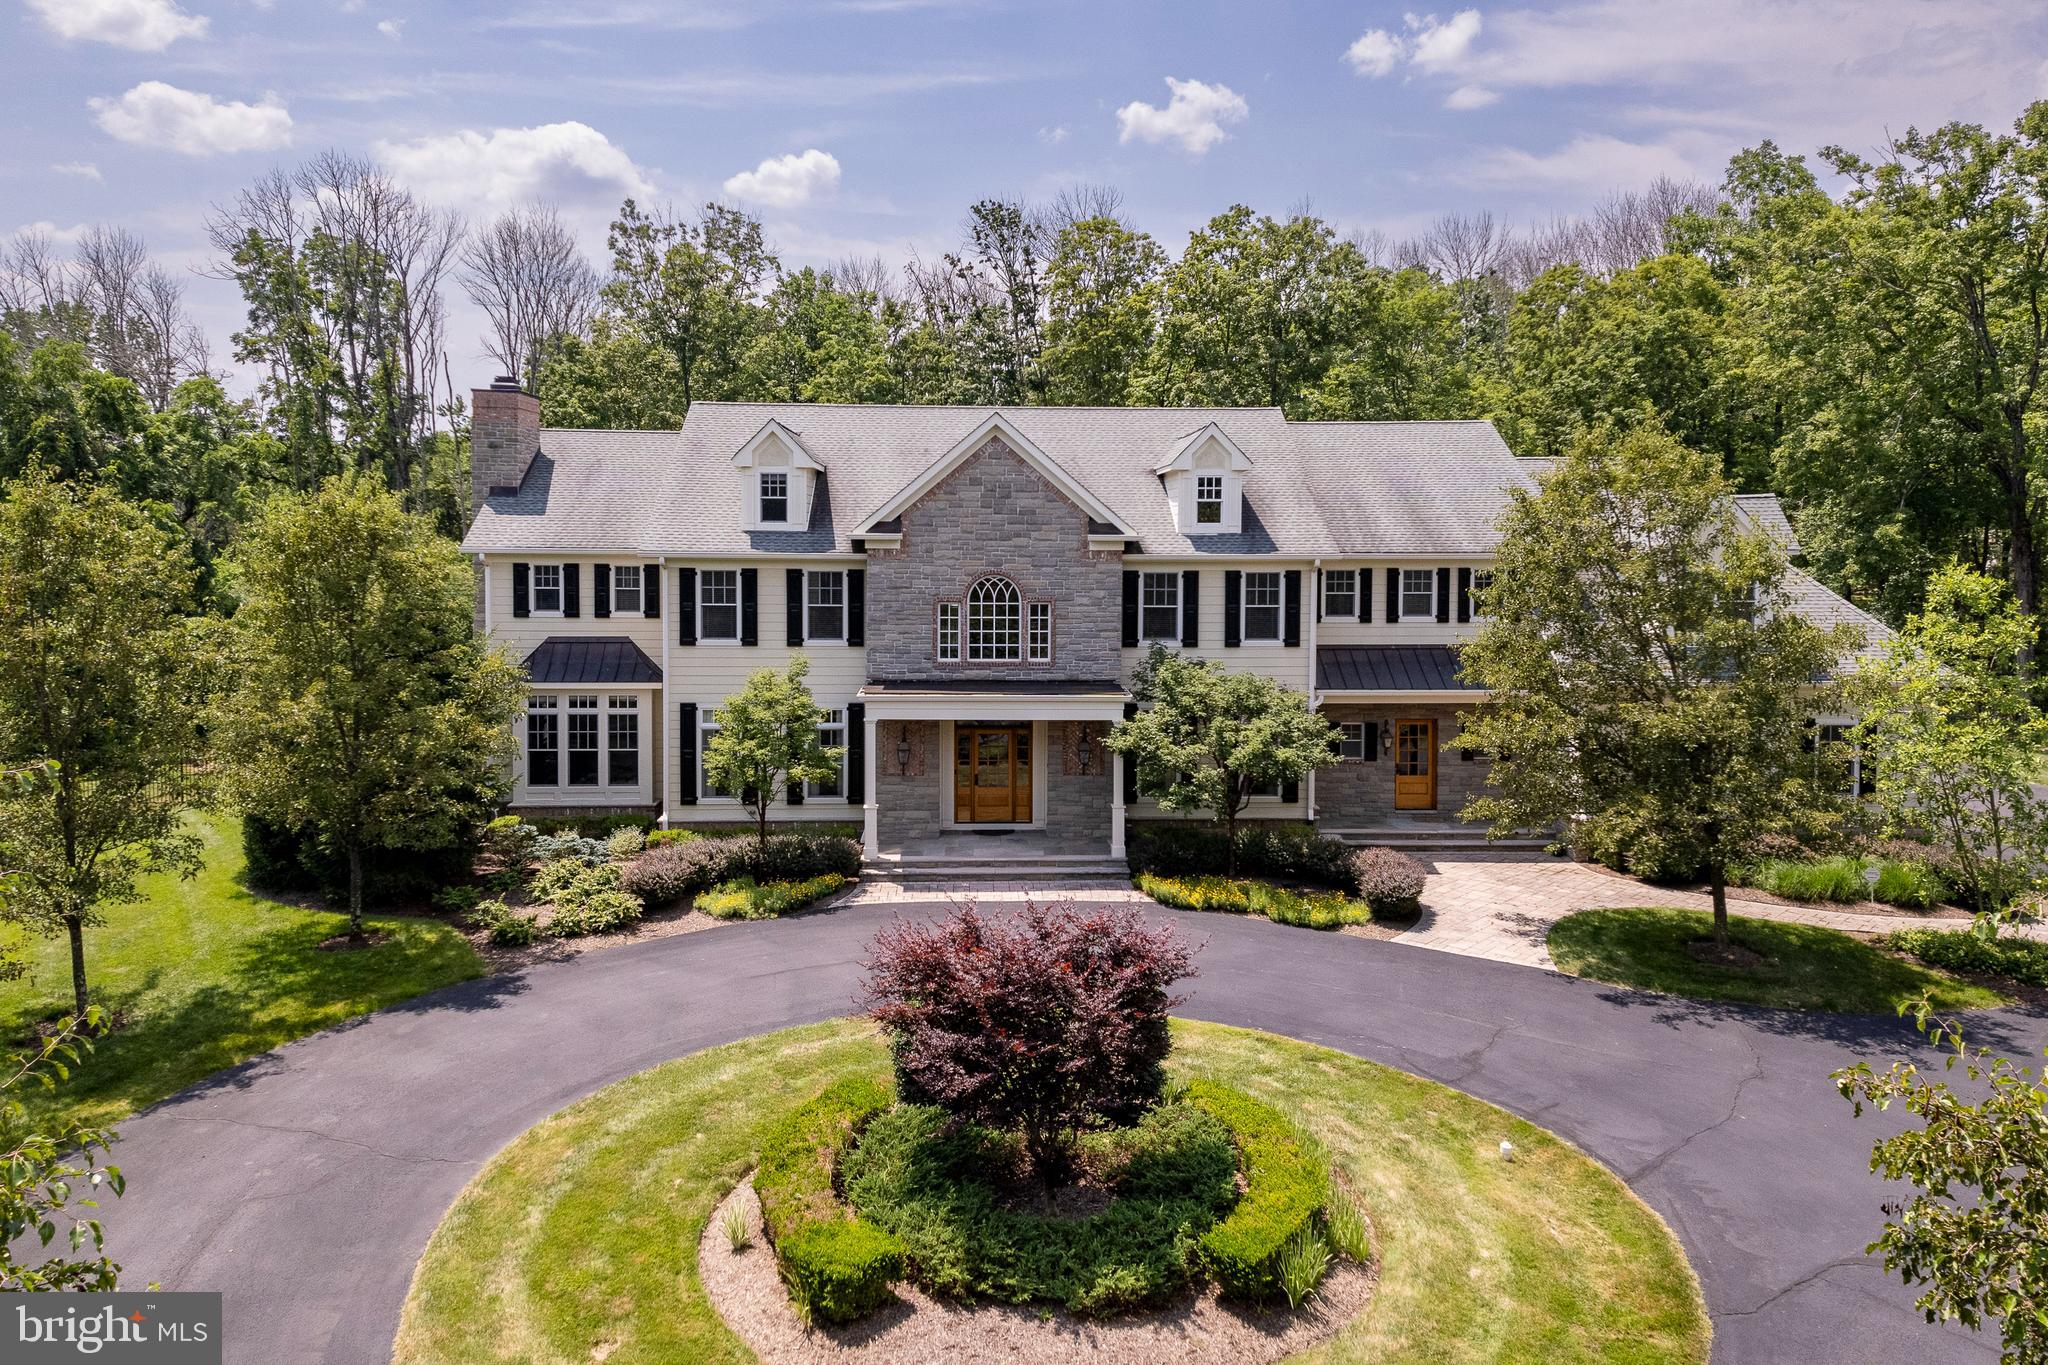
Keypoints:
pixel 1286 665
pixel 1379 631
pixel 520 635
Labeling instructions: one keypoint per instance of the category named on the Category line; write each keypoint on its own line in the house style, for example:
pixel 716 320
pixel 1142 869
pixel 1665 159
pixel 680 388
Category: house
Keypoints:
pixel 973 588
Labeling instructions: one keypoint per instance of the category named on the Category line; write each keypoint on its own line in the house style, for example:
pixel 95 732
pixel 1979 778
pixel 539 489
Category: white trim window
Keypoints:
pixel 583 727
pixel 824 605
pixel 995 621
pixel 1340 592
pixel 1351 740
pixel 543 741
pixel 622 741
pixel 1038 633
pixel 1262 598
pixel 718 604
pixel 1159 606
pixel 946 637
pixel 774 496
pixel 1209 499
pixel 1270 790
pixel 831 735
pixel 626 599
pixel 1482 579
pixel 706 728
pixel 1418 594
pixel 547 589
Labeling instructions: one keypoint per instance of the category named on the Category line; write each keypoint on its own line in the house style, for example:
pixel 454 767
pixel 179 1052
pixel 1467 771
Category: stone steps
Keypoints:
pixel 1436 839
pixel 1013 869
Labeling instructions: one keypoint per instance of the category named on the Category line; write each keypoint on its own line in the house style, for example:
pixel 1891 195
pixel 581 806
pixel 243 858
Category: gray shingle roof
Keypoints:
pixel 594 659
pixel 1315 488
pixel 1389 668
pixel 1767 514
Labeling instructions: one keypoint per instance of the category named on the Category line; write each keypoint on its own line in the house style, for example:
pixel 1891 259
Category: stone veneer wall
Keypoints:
pixel 909 803
pixel 995 514
pixel 1076 804
pixel 1354 792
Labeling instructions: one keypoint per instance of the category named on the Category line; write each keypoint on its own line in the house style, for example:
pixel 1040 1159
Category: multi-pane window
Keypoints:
pixel 1262 606
pixel 622 742
pixel 946 644
pixel 705 786
pixel 626 589
pixel 1269 787
pixel 831 735
pixel 825 606
pixel 1340 592
pixel 1209 499
pixel 1159 606
pixel 1040 634
pixel 547 588
pixel 1482 579
pixel 543 742
pixel 774 495
pixel 1418 593
pixel 994 621
pixel 1351 739
pixel 718 604
pixel 582 741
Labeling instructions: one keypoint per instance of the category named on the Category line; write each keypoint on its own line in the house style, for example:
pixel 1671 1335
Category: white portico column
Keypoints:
pixel 1116 805
pixel 871 812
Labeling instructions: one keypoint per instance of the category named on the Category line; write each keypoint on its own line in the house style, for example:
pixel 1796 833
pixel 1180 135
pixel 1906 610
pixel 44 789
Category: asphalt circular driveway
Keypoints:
pixel 305 1183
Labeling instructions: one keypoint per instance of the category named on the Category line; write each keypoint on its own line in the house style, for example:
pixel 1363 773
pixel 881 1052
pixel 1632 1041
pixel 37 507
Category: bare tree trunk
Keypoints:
pixel 1717 879
pixel 355 889
pixel 74 926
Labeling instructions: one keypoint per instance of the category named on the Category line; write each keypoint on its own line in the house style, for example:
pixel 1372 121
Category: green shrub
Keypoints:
pixel 602 825
pixel 1964 950
pixel 671 870
pixel 1243 896
pixel 1281 850
pixel 590 901
pixel 457 900
pixel 1915 885
pixel 505 926
pixel 1286 1187
pixel 508 841
pixel 571 846
pixel 656 838
pixel 837 1268
pixel 277 858
pixel 556 878
pixel 625 842
pixel 799 857
pixel 745 898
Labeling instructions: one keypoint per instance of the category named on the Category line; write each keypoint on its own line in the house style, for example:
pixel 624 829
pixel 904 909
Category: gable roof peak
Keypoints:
pixel 997 423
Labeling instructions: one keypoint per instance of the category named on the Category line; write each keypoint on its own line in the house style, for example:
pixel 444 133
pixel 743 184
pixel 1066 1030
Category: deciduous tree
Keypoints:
pixel 767 741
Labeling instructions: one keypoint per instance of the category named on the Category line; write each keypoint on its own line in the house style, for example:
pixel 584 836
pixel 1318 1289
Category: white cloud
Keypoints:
pixel 84 170
pixel 1375 52
pixel 1595 162
pixel 1442 44
pixel 1053 137
pixel 786 181
pixel 139 25
pixel 1470 97
pixel 57 236
pixel 154 114
pixel 391 28
pixel 564 163
pixel 1194 117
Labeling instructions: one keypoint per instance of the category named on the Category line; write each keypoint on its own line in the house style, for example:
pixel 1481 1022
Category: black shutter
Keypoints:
pixel 572 597
pixel 1393 593
pixel 1291 596
pixel 1372 741
pixel 1130 608
pixel 747 795
pixel 1319 596
pixel 650 590
pixel 686 748
pixel 521 602
pixel 793 793
pixel 1130 761
pixel 686 606
pixel 856 606
pixel 749 583
pixel 857 754
pixel 1233 588
pixel 1443 595
pixel 1464 595
pixel 1190 608
pixel 793 606
pixel 1809 736
pixel 601 590
pixel 1365 595
pixel 1290 790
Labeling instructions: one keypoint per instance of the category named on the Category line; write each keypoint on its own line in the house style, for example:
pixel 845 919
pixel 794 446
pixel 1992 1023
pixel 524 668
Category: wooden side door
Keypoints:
pixel 1415 765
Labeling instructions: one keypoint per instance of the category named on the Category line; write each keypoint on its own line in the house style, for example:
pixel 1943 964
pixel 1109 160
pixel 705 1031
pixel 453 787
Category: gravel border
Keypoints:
pixel 748 1294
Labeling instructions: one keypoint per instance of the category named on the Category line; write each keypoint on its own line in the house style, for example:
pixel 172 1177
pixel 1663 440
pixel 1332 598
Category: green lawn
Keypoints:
pixel 210 974
pixel 1806 967
pixel 579 1240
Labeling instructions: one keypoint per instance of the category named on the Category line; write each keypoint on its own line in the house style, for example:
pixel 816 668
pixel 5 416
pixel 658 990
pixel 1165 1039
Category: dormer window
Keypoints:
pixel 774 496
pixel 1209 499
pixel 1204 482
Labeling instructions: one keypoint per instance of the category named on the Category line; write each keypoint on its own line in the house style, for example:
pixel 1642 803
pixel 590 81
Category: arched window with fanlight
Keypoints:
pixel 995 625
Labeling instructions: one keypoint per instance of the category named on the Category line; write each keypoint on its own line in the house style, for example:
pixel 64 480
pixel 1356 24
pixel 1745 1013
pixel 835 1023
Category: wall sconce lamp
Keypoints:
pixel 903 751
pixel 1386 740
pixel 1086 736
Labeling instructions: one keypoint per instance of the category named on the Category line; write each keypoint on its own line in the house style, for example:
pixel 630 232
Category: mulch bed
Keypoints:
pixel 921 1330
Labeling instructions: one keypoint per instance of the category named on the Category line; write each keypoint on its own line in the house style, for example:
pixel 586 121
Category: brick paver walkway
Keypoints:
pixel 1501 905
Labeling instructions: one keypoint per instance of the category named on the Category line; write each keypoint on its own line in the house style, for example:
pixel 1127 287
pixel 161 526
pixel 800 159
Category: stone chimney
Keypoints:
pixel 504 436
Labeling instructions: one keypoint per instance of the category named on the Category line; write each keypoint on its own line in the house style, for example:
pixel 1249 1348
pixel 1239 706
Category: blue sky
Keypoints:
pixel 867 126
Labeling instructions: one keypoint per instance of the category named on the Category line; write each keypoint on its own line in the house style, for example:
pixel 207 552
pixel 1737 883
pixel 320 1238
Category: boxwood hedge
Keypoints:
pixel 1287 1187
pixel 838 1267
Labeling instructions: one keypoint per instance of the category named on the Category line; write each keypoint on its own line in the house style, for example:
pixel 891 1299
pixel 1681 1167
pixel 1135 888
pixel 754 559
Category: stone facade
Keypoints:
pixel 995 515
pixel 1077 803
pixel 909 799
pixel 1354 792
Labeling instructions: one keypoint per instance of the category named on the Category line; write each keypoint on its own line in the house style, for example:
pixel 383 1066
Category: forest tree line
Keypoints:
pixel 1872 352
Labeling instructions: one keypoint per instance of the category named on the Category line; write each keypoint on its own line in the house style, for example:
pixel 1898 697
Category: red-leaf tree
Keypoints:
pixel 1045 1023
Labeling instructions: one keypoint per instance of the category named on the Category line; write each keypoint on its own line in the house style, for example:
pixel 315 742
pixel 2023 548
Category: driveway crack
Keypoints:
pixel 1657 1163
pixel 315 1132
pixel 1844 1263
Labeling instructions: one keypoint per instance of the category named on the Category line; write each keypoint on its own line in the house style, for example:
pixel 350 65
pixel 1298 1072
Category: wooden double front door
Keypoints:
pixel 992 774
pixel 1414 765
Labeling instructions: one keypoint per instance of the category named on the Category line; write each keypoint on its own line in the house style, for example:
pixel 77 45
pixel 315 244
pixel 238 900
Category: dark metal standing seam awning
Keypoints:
pixel 596 660
pixel 1389 668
